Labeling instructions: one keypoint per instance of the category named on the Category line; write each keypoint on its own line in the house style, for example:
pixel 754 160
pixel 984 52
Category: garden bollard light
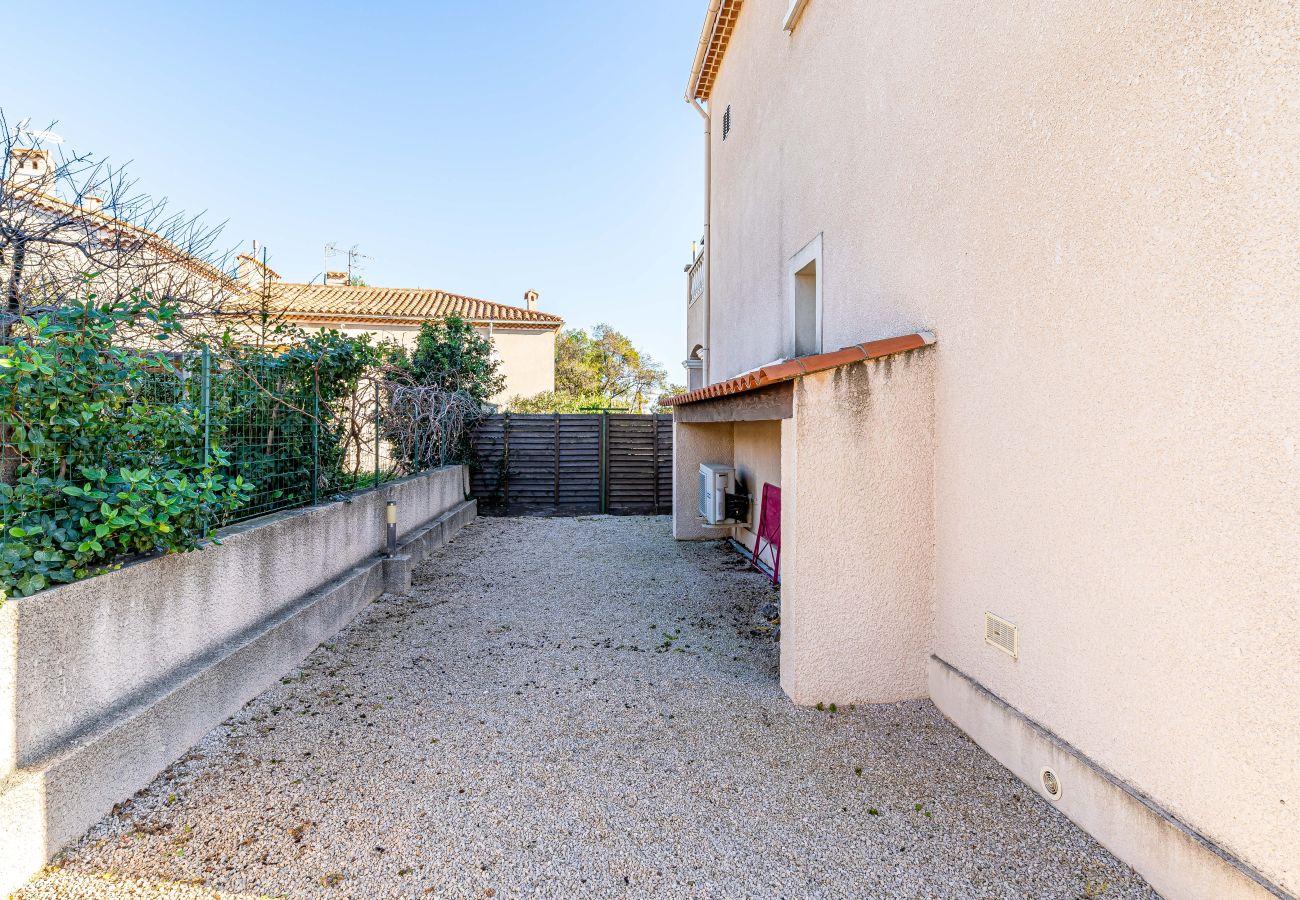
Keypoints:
pixel 392 527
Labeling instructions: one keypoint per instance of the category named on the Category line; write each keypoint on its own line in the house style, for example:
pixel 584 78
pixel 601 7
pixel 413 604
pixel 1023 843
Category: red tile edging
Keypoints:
pixel 803 365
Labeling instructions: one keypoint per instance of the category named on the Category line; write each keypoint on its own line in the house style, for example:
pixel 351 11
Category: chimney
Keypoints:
pixel 530 297
pixel 31 168
pixel 252 272
pixel 336 278
pixel 92 204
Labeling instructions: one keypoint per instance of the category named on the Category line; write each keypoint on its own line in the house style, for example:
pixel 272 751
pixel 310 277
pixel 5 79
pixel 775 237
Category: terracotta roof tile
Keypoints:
pixel 340 302
pixel 803 365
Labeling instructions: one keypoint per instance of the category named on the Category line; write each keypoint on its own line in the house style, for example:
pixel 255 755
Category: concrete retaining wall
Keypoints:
pixel 107 681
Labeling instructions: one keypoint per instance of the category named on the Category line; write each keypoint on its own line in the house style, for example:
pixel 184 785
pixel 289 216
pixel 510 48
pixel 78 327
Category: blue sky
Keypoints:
pixel 479 147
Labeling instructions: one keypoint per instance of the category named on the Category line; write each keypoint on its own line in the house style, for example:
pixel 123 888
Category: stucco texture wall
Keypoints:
pixel 857 532
pixel 757 458
pixel 694 444
pixel 527 361
pixel 1094 206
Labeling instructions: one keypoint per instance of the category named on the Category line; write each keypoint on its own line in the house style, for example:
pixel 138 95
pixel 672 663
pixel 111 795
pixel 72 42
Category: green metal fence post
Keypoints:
pixel 205 409
pixel 315 444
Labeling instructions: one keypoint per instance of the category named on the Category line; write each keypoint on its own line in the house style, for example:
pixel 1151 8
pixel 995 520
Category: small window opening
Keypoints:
pixel 807 335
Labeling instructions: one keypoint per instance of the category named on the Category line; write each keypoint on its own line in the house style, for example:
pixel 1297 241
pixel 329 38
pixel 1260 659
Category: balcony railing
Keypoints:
pixel 695 283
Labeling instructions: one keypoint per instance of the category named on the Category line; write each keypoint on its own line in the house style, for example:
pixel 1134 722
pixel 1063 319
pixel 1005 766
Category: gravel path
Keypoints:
pixel 577 707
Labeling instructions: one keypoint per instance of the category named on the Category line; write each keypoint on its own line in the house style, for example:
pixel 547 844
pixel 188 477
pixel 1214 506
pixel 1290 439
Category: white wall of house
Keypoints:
pixel 1094 207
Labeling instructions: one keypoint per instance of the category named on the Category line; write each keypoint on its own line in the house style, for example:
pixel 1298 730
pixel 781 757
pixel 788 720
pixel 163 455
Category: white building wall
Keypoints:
pixel 1094 207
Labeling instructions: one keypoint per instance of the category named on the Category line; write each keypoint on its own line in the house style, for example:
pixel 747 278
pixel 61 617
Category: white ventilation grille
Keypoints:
pixel 1051 784
pixel 1000 633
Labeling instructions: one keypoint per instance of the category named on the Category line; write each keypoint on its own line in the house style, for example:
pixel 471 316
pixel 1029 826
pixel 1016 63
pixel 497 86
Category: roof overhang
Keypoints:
pixel 410 321
pixel 803 365
pixel 719 22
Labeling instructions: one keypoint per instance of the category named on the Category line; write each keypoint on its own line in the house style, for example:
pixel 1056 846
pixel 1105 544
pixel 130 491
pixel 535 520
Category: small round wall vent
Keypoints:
pixel 1051 784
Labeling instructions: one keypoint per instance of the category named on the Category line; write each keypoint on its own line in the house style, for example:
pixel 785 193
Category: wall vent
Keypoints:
pixel 726 122
pixel 1000 633
pixel 1051 784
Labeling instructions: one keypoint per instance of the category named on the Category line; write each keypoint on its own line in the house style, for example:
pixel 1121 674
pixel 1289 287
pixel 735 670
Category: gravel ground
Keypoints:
pixel 577 707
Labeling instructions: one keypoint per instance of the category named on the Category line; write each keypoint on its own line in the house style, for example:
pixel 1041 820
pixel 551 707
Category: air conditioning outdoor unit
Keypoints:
pixel 719 503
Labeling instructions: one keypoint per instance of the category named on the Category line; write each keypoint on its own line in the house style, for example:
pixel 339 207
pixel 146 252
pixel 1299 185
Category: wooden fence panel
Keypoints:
pixel 579 465
pixel 573 464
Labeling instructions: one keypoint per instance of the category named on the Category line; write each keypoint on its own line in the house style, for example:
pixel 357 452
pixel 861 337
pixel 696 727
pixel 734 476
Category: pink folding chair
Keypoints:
pixel 769 532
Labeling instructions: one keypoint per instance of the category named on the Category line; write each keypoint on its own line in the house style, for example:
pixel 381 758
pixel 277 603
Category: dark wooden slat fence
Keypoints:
pixel 573 464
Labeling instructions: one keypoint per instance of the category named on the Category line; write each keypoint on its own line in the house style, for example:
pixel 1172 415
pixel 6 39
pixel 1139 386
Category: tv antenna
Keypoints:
pixel 353 254
pixel 21 130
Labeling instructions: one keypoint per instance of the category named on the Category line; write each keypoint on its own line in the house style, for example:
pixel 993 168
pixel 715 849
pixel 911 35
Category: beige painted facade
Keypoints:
pixel 1094 208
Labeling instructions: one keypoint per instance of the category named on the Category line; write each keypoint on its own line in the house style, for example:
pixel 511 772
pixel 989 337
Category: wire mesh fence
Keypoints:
pixel 110 451
pixel 112 446
pixel 248 417
pixel 269 424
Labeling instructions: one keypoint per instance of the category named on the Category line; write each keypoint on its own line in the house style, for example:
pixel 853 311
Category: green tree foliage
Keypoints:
pixel 668 391
pixel 558 402
pixel 93 473
pixel 451 355
pixel 574 375
pixel 602 369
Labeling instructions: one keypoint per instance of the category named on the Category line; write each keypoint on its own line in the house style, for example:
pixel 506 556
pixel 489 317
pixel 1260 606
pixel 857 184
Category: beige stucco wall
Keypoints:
pixel 694 444
pixel 1094 206
pixel 527 360
pixel 857 526
pixel 757 457
pixel 527 354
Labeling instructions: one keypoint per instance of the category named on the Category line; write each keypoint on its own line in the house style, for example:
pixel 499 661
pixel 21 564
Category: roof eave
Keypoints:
pixel 412 320
pixel 702 50
pixel 711 47
pixel 803 365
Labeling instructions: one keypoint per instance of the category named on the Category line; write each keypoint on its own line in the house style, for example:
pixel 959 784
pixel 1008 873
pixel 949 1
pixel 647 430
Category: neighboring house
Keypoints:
pixel 1051 483
pixel 48 244
pixel 523 338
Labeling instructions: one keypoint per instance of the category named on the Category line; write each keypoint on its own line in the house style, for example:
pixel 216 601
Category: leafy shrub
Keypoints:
pixel 276 407
pixel 93 468
pixel 436 393
pixel 452 356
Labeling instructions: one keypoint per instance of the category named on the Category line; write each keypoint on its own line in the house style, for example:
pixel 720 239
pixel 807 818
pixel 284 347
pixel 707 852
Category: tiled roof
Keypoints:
pixel 718 25
pixel 803 365
pixel 340 302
